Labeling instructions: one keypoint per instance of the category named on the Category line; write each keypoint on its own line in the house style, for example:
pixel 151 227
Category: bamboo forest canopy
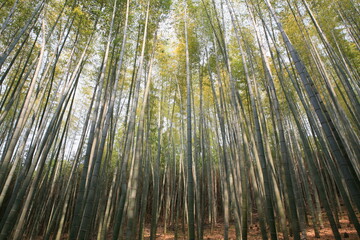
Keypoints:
pixel 126 119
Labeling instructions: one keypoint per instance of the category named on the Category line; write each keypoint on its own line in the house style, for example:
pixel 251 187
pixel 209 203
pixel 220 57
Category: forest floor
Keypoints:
pixel 347 232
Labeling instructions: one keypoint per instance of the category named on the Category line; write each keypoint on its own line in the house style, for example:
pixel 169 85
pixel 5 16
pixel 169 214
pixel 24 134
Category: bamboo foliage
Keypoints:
pixel 117 116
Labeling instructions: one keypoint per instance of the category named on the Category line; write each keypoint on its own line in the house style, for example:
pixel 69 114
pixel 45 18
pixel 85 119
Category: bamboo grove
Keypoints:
pixel 121 114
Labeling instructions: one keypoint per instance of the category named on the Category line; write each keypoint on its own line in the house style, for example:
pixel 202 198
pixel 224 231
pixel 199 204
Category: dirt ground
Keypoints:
pixel 347 232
